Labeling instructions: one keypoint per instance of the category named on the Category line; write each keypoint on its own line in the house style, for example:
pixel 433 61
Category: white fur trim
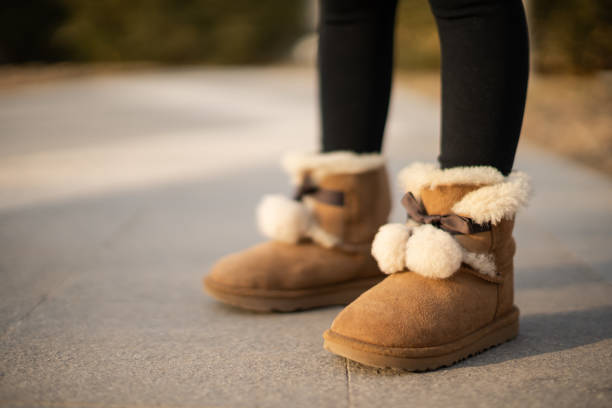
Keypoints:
pixel 322 237
pixel 496 202
pixel 323 164
pixel 483 263
pixel 433 253
pixel 389 247
pixel 421 175
pixel 315 231
pixel 283 219
pixel 498 197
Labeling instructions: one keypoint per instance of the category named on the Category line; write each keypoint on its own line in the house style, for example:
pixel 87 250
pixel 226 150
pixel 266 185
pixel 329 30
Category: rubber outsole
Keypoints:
pixel 425 359
pixel 291 301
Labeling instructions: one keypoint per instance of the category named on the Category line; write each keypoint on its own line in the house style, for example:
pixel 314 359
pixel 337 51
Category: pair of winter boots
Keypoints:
pixel 420 295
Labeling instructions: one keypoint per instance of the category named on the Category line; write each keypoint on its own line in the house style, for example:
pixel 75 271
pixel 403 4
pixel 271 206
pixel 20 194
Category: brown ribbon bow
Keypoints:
pixel 452 223
pixel 308 187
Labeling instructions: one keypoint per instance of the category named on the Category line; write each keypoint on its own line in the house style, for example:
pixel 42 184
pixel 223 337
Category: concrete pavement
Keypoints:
pixel 117 193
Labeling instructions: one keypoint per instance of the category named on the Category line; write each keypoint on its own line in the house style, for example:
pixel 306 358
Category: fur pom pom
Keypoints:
pixel 433 253
pixel 389 247
pixel 282 219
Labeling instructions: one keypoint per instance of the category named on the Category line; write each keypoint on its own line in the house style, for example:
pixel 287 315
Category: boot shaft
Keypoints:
pixel 497 243
pixel 460 221
pixel 366 206
pixel 341 200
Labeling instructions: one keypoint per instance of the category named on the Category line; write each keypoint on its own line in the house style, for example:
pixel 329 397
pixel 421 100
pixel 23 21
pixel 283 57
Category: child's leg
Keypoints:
pixel 485 65
pixel 355 64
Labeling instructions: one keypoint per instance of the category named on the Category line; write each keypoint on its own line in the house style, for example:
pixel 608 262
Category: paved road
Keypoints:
pixel 117 193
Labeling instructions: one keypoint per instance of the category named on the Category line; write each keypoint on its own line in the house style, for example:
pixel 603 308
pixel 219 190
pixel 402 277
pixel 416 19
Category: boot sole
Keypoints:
pixel 425 358
pixel 288 300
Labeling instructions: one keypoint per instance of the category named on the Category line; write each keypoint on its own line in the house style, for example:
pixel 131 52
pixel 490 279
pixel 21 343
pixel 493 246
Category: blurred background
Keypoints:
pixel 136 139
pixel 570 93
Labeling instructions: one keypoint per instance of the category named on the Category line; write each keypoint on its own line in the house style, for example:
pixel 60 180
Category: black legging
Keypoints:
pixel 485 66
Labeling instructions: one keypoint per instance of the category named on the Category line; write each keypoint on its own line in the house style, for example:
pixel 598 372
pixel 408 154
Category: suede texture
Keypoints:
pixel 278 266
pixel 411 311
pixel 366 206
pixel 275 267
pixel 504 248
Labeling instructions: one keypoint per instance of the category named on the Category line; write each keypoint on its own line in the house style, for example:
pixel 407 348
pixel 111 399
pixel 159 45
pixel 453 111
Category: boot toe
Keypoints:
pixel 227 272
pixel 371 319
pixel 241 271
pixel 270 266
pixel 406 310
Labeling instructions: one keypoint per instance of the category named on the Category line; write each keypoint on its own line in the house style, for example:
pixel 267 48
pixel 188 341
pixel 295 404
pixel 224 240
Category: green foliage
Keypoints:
pixel 172 31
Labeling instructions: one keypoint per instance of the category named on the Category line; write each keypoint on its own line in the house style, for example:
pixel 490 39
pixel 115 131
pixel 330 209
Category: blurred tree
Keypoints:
pixel 571 35
pixel 26 28
pixel 567 35
pixel 172 31
pixel 179 31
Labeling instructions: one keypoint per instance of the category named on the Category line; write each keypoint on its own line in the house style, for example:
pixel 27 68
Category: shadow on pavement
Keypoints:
pixel 539 334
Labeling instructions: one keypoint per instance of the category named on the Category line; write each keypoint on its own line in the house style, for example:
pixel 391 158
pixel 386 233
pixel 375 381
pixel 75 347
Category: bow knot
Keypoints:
pixel 452 223
pixel 308 187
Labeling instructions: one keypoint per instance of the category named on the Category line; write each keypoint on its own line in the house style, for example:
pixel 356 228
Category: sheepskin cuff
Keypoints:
pixel 499 197
pixel 320 165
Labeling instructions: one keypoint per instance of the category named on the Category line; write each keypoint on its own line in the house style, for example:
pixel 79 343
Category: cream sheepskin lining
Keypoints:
pixel 496 202
pixel 499 197
pixel 420 175
pixel 322 237
pixel 483 263
pixel 320 165
pixel 285 220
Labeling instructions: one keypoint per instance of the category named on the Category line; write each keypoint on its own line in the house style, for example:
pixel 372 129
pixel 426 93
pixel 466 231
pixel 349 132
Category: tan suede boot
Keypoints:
pixel 450 293
pixel 319 252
